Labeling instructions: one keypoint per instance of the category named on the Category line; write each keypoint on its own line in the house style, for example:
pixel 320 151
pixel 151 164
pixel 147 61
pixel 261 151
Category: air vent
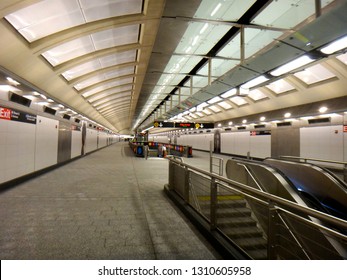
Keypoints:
pixel 227 129
pixel 67 117
pixel 201 131
pixel 19 99
pixel 209 130
pixel 90 125
pixel 259 126
pixel 321 120
pixel 241 128
pixel 49 110
pixel 77 120
pixel 284 124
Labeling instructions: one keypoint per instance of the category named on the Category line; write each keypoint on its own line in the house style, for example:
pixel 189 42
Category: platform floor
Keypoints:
pixel 106 205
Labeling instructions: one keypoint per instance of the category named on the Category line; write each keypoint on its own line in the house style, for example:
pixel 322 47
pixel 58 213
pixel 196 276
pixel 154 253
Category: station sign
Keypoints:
pixel 261 132
pixel 16 115
pixel 159 124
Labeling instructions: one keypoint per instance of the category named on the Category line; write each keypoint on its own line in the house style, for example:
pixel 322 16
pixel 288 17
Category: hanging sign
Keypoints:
pixel 16 115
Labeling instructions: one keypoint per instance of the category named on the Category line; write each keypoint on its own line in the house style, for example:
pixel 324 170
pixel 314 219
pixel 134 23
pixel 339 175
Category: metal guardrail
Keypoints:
pixel 284 229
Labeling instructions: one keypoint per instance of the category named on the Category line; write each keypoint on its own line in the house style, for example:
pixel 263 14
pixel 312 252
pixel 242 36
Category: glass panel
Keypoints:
pixel 314 74
pixel 221 66
pixel 287 14
pixel 280 86
pixel 223 10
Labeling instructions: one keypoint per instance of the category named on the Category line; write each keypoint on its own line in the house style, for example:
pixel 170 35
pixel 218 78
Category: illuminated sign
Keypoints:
pixel 261 132
pixel 15 115
pixel 5 113
pixel 160 124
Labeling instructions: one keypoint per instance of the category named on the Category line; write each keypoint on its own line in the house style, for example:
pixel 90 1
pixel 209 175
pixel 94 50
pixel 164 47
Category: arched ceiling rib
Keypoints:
pixel 120 62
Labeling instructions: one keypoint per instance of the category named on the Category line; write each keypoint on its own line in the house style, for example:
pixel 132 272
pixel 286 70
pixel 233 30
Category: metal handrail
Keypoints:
pixel 314 159
pixel 281 202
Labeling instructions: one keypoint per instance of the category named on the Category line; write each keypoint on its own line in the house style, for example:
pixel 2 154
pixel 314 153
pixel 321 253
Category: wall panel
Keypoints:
pixel 46 150
pixel 325 142
pixel 17 149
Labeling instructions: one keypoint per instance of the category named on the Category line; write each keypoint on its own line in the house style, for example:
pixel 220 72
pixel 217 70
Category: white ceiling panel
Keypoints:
pixel 256 95
pixel 116 37
pixel 105 87
pixel 105 76
pixel 95 10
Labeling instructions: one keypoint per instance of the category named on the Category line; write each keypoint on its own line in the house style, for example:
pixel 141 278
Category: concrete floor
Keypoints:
pixel 107 205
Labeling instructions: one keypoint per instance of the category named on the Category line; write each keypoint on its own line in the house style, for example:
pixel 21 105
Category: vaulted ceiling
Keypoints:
pixel 124 63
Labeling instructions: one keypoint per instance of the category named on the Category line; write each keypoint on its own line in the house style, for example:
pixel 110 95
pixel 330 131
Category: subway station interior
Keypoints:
pixel 173 130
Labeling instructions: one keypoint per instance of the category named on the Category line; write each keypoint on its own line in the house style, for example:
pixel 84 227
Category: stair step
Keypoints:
pixel 229 212
pixel 238 232
pixel 249 243
pixel 258 254
pixel 236 221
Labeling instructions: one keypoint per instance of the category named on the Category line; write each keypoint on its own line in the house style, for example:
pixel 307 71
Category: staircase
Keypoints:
pixel 234 219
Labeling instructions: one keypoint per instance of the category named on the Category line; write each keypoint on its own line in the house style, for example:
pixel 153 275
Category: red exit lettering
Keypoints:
pixel 184 124
pixel 5 113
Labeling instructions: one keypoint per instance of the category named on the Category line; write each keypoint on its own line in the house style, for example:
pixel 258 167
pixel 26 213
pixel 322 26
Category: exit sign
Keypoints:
pixel 5 113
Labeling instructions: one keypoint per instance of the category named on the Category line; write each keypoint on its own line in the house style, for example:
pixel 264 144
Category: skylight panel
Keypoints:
pixel 239 101
pixel 280 86
pixel 343 58
pixel 314 74
pixel 256 95
pixel 225 105
pixel 215 109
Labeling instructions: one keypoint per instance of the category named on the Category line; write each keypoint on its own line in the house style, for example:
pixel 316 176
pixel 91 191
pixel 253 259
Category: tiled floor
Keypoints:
pixel 107 205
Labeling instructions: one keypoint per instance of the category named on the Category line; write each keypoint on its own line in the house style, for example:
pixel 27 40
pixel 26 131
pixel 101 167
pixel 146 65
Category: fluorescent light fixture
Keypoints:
pixel 229 93
pixel 214 100
pixel 215 10
pixel 203 29
pixel 201 106
pixel 254 82
pixel 244 121
pixel 230 123
pixel 192 109
pixel 12 81
pixel 287 115
pixel 296 63
pixel 323 109
pixel 219 125
pixel 335 46
pixel 196 38
pixel 262 119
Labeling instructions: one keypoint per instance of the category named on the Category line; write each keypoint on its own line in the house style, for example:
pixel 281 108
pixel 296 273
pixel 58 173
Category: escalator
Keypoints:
pixel 306 185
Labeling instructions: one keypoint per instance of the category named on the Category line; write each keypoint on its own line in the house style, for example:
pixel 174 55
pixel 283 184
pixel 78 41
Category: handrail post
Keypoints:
pixel 271 234
pixel 211 168
pixel 186 184
pixel 213 206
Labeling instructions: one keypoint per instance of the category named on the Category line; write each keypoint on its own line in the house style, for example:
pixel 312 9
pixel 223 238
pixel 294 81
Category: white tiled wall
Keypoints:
pixel 46 150
pixel 197 141
pixel 17 149
pixel 102 139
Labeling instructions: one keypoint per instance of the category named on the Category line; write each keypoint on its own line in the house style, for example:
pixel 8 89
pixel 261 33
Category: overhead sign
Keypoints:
pixel 15 115
pixel 159 124
pixel 261 132
pixel 163 124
